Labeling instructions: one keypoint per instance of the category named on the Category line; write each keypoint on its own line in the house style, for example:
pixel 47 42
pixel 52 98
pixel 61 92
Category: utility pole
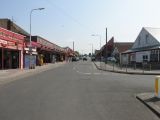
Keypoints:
pixel 106 46
pixel 73 46
pixel 92 49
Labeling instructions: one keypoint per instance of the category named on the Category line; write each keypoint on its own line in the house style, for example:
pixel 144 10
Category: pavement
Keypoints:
pixel 76 91
pixel 151 101
pixel 148 99
pixel 114 68
pixel 15 74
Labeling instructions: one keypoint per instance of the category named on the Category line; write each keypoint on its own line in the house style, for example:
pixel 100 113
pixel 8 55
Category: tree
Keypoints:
pixel 77 53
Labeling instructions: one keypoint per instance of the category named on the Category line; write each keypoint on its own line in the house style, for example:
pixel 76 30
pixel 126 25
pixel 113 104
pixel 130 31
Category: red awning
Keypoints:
pixel 34 44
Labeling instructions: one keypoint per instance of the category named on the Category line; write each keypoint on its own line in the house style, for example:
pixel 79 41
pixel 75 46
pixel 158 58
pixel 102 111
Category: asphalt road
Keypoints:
pixel 76 91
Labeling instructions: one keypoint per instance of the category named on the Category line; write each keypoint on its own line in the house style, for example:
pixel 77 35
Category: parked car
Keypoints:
pixel 84 58
pixel 77 58
pixel 74 59
pixel 80 58
pixel 112 59
pixel 93 58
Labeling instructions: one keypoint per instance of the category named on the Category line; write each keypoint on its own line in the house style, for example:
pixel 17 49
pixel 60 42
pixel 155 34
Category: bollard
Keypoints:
pixel 157 86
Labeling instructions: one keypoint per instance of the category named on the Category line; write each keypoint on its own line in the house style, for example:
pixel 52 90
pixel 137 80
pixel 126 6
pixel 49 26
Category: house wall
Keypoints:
pixel 139 56
pixel 132 57
pixel 143 41
pixel 124 59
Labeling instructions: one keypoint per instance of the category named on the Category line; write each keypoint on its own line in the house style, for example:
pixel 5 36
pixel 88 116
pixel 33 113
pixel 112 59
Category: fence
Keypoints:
pixel 145 68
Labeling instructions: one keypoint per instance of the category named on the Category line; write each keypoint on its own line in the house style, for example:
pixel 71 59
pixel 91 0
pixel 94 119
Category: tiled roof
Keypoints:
pixel 123 46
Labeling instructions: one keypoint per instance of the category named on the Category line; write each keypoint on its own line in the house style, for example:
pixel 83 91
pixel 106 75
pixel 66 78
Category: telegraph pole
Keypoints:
pixel 73 46
pixel 106 46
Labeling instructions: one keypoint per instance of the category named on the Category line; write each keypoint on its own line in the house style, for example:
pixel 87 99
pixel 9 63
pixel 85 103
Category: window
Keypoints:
pixel 145 58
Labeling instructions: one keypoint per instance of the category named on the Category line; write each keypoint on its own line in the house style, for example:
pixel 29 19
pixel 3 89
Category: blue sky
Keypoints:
pixel 64 21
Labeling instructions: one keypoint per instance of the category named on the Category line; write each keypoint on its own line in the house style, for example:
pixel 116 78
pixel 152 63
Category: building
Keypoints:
pixel 114 49
pixel 43 51
pixel 105 52
pixel 10 25
pixel 11 49
pixel 47 51
pixel 119 48
pixel 145 48
pixel 69 53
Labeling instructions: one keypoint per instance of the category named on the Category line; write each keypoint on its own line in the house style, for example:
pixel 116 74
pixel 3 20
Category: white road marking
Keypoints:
pixel 83 72
pixel 87 73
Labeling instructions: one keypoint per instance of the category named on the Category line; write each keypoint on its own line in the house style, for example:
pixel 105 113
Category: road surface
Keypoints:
pixel 76 91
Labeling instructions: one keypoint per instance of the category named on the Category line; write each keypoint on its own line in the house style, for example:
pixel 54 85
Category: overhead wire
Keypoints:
pixel 69 16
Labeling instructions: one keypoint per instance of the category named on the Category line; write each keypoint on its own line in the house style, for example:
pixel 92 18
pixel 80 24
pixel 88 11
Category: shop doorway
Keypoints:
pixel 10 59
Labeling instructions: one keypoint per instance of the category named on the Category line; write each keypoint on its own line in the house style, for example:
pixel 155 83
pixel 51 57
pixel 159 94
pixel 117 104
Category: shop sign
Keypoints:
pixel 27 49
pixel 30 49
pixel 11 43
pixel 32 53
pixel 11 35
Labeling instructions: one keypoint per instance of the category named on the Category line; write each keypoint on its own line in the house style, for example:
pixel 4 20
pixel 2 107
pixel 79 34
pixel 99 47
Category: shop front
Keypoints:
pixel 30 55
pixel 11 49
pixel 46 55
pixel 45 50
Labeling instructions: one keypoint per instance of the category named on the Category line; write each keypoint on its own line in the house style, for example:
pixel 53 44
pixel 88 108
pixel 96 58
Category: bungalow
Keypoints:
pixel 146 48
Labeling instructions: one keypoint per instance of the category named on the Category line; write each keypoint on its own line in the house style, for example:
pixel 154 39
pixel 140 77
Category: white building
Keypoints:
pixel 146 48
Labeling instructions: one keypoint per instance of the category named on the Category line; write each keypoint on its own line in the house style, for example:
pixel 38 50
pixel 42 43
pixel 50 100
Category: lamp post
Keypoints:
pixel 97 35
pixel 92 48
pixel 30 45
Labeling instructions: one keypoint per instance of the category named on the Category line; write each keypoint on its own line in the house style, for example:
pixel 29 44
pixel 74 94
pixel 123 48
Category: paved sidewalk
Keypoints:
pixel 113 68
pixel 14 74
pixel 152 102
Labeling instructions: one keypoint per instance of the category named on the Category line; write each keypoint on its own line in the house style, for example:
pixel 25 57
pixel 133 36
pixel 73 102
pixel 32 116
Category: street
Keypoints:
pixel 76 91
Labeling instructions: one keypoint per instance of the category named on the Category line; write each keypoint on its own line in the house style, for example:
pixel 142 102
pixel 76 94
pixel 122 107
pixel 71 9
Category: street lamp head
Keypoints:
pixel 95 35
pixel 41 8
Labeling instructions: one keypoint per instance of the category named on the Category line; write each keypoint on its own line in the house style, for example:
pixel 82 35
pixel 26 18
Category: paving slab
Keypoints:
pixel 10 75
pixel 151 101
pixel 110 68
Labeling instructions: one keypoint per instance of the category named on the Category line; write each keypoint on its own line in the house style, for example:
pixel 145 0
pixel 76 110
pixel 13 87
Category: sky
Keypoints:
pixel 65 21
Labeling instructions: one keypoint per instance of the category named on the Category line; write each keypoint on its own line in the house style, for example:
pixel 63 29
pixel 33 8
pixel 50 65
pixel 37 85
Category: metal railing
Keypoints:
pixel 129 68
